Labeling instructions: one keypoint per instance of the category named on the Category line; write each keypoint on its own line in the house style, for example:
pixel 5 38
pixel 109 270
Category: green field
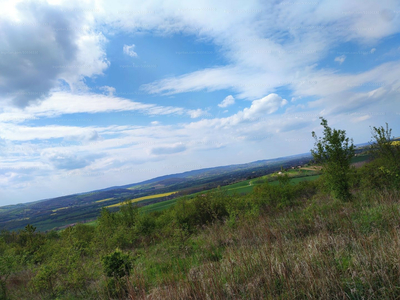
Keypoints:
pixel 243 187
pixel 159 206
pixel 360 158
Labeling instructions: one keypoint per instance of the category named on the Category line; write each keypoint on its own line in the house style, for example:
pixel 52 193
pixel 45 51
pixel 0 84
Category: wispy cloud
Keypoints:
pixel 128 50
pixel 168 149
pixel 62 103
pixel 229 100
pixel 340 59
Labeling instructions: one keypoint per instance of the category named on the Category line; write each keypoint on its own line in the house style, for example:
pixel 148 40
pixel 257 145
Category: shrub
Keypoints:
pixel 335 151
pixel 387 156
pixel 117 264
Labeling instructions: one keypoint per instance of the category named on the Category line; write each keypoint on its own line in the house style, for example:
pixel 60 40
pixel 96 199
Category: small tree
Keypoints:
pixel 334 151
pixel 387 155
pixel 129 214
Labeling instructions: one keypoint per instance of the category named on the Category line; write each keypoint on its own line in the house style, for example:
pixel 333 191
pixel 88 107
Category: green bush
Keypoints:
pixel 45 280
pixel 9 264
pixel 117 264
pixel 387 155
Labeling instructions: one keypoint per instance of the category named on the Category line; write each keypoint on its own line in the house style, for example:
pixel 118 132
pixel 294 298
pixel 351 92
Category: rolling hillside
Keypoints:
pixel 62 211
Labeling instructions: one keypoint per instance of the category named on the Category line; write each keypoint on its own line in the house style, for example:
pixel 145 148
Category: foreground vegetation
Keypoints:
pixel 280 241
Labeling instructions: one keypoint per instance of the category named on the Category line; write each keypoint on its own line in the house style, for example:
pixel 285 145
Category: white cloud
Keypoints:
pixel 229 100
pixel 373 50
pixel 340 59
pixel 268 52
pixel 258 110
pixel 128 50
pixel 338 93
pixel 266 105
pixel 197 113
pixel 66 160
pixel 168 149
pixel 45 43
pixel 27 133
pixel 361 118
pixel 61 103
pixel 108 89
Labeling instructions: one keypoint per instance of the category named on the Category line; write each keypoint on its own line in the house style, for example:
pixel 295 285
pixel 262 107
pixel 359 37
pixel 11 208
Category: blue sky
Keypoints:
pixel 97 93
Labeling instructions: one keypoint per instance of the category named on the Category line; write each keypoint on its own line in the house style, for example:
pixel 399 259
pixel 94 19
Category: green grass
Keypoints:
pixel 240 188
pixel 158 206
pixel 360 158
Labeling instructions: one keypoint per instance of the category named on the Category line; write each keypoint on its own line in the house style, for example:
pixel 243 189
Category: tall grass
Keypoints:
pixel 322 250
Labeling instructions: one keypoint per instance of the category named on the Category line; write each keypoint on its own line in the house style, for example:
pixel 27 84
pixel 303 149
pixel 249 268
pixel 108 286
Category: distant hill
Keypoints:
pixel 61 211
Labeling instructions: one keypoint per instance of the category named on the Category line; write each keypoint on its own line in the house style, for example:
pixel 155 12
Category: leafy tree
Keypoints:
pixel 387 155
pixel 30 241
pixel 129 214
pixel 335 151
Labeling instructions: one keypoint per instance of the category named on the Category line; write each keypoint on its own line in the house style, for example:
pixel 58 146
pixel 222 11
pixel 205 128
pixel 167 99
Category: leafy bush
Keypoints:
pixel 8 266
pixel 45 280
pixel 202 210
pixel 117 264
pixel 387 156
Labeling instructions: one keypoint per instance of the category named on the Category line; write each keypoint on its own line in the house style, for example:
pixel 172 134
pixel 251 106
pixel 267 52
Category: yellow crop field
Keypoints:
pixel 54 210
pixel 104 200
pixel 143 198
pixel 396 143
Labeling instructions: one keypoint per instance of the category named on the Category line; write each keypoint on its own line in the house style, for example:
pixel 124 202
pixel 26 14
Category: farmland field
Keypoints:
pixel 142 198
pixel 243 187
pixel 104 200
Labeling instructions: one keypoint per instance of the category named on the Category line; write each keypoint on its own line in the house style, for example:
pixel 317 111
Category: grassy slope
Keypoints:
pixel 317 248
pixel 323 250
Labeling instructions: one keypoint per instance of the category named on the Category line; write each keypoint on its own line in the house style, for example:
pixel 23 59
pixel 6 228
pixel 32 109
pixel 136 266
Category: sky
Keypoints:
pixel 102 93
